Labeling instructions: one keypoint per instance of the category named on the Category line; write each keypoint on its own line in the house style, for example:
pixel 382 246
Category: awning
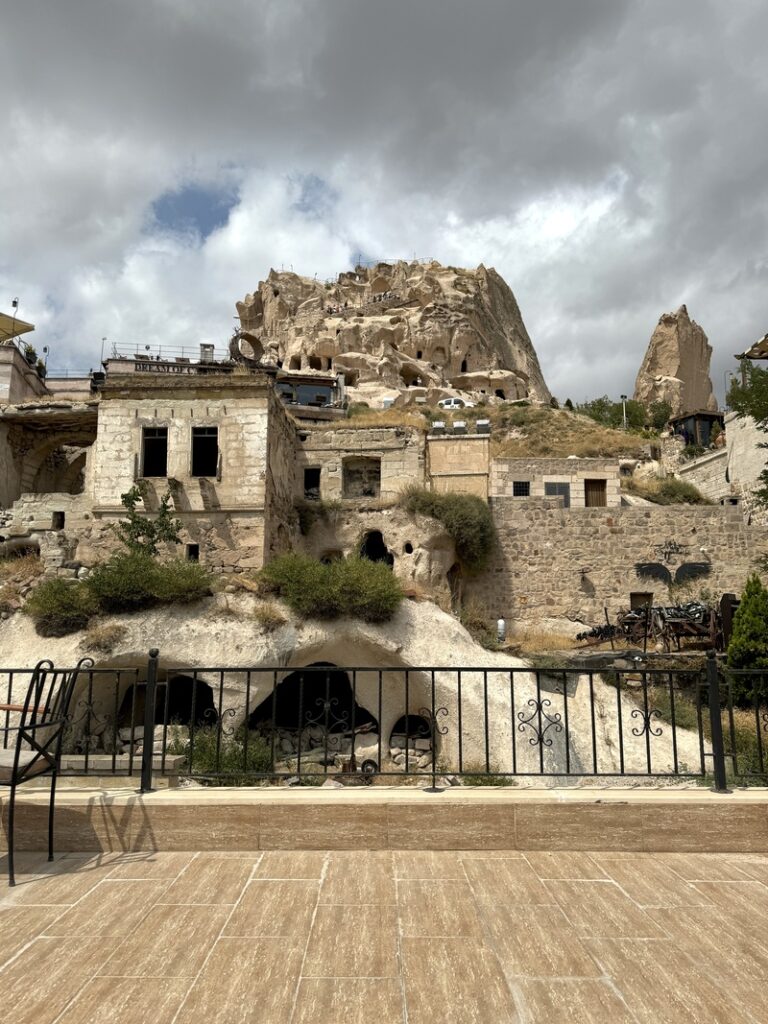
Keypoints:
pixel 11 326
pixel 758 351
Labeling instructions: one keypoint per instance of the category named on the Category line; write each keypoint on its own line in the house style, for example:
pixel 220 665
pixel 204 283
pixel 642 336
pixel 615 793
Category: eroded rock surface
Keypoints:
pixel 676 366
pixel 398 326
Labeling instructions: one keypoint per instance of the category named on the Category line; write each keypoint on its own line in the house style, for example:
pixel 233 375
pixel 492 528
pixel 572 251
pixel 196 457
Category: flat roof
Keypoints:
pixel 11 327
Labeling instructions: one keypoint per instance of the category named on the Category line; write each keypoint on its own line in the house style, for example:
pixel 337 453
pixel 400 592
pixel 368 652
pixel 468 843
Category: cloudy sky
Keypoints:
pixel 608 157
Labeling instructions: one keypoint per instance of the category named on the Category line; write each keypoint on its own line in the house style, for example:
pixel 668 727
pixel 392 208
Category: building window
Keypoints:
pixel 361 478
pixel 521 488
pixel 595 493
pixel 58 521
pixel 193 552
pixel 205 451
pixel 155 449
pixel 312 483
pixel 558 490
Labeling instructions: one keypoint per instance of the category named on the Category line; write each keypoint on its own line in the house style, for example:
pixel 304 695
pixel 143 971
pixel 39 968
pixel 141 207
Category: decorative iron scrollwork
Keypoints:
pixel 540 716
pixel 432 716
pixel 647 717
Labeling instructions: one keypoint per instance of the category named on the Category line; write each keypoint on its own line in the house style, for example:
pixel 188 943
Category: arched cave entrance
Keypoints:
pixel 314 363
pixel 464 366
pixel 183 700
pixel 499 392
pixel 318 697
pixel 410 376
pixel 374 549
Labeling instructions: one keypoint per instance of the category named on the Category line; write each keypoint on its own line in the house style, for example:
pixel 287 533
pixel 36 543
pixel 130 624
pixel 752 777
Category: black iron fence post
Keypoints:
pixel 148 738
pixel 716 724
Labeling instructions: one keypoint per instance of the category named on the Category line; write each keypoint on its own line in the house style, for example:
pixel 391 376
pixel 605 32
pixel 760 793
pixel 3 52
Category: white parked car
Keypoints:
pixel 455 403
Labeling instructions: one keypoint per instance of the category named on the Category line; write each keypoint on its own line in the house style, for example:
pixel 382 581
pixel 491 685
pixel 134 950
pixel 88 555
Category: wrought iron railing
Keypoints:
pixel 477 725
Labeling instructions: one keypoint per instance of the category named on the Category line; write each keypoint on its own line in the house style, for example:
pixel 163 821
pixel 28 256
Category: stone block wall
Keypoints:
pixel 538 472
pixel 18 380
pixel 551 561
pixel 746 461
pixel 281 521
pixel 400 449
pixel 459 464
pixel 707 474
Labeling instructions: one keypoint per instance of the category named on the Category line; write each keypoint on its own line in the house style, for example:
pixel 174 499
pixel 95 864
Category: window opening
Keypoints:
pixel 521 488
pixel 193 552
pixel 58 521
pixel 559 490
pixel 312 483
pixel 464 365
pixel 155 443
pixel 361 478
pixel 205 451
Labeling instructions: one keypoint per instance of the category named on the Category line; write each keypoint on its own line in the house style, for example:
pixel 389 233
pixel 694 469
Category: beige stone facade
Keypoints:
pixel 579 483
pixel 552 562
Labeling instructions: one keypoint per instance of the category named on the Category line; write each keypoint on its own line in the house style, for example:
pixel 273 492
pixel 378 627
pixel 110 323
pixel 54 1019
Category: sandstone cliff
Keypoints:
pixel 676 366
pixel 406 328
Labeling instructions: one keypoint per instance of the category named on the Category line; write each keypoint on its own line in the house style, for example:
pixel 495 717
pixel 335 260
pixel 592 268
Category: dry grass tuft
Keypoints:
pixel 368 418
pixel 269 615
pixel 20 568
pixel 532 641
pixel 104 638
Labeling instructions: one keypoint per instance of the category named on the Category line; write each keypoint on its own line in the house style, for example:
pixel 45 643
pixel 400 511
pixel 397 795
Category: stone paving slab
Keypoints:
pixel 400 937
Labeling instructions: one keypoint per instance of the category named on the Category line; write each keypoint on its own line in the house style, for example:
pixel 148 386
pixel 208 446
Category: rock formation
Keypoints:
pixel 397 329
pixel 676 366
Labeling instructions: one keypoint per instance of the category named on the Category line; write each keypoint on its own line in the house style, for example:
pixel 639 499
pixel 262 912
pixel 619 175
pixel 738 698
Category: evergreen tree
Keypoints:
pixel 748 648
pixel 140 534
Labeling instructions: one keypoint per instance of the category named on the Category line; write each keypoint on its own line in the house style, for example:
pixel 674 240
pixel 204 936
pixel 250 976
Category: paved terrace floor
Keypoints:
pixel 386 937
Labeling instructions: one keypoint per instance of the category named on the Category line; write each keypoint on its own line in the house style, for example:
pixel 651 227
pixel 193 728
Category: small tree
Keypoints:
pixel 748 648
pixel 569 405
pixel 140 534
pixel 659 413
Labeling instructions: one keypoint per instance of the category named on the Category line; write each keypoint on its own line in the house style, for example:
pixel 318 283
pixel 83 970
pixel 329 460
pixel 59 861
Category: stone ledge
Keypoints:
pixel 263 819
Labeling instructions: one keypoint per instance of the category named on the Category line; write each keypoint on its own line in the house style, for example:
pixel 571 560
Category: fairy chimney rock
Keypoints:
pixel 397 329
pixel 676 366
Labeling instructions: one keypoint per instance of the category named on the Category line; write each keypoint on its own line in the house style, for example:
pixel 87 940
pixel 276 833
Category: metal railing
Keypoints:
pixel 484 726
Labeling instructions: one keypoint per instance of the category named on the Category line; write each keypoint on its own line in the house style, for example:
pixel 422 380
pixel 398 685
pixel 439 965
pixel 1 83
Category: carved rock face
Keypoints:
pixel 399 326
pixel 676 366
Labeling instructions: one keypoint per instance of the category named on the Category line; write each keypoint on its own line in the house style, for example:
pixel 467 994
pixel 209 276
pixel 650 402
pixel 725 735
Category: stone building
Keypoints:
pixel 246 449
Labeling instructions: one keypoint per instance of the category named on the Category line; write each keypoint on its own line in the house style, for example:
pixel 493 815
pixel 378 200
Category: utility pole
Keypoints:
pixel 624 411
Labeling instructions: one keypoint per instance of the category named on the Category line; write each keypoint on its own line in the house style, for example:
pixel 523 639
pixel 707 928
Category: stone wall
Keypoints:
pixel 555 562
pixel 400 449
pixel 538 472
pixel 746 461
pixel 18 380
pixel 281 522
pixel 459 464
pixel 708 475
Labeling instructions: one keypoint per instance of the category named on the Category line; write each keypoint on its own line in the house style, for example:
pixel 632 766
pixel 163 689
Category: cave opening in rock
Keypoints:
pixel 410 727
pixel 319 696
pixel 374 549
pixel 183 700
pixel 499 392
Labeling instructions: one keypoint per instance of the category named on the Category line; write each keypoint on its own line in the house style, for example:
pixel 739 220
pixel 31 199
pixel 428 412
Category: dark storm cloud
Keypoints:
pixel 607 156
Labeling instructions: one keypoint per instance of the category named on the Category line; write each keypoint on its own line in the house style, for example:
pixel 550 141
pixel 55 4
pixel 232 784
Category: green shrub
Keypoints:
pixel 59 607
pixel 180 582
pixel 227 757
pixel 124 583
pixel 131 581
pixel 748 648
pixel 466 517
pixel 347 586
pixel 678 492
